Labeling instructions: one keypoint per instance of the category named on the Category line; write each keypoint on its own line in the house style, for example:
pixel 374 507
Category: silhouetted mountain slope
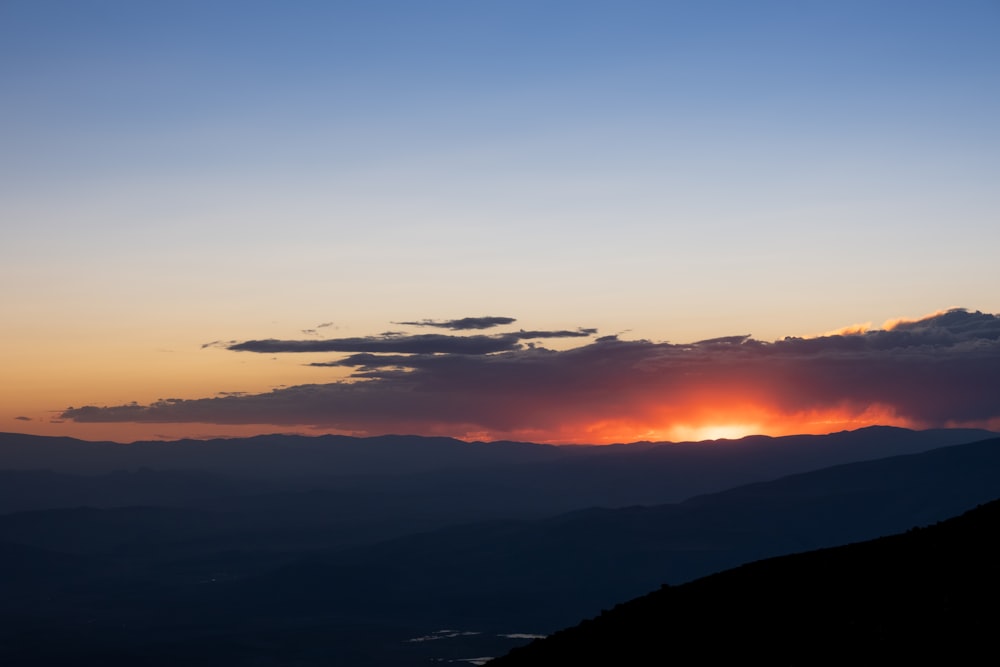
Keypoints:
pixel 927 597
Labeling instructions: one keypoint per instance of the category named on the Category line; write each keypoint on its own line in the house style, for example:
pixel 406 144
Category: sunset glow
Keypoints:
pixel 329 328
pixel 563 222
pixel 472 383
pixel 715 422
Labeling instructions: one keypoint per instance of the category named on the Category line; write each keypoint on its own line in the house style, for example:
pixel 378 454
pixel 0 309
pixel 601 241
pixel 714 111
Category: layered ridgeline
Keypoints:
pixel 40 472
pixel 348 568
pixel 927 596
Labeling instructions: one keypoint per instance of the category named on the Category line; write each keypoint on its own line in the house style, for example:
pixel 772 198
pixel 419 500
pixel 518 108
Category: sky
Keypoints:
pixel 211 212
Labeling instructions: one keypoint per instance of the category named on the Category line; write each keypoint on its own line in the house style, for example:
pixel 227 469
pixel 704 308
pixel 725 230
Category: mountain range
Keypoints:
pixel 135 557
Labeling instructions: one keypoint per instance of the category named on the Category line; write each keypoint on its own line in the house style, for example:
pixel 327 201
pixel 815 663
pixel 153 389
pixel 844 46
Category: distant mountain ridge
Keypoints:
pixel 39 473
pixel 264 455
pixel 296 455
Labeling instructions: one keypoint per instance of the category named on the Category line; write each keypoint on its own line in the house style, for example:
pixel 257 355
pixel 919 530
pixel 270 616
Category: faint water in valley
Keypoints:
pixel 451 646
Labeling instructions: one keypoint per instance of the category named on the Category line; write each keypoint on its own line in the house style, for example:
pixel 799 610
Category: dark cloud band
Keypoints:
pixel 937 371
pixel 397 343
pixel 419 344
pixel 463 324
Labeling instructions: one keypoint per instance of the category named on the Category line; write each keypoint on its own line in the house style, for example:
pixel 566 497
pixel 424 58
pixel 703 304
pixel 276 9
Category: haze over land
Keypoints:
pixel 341 550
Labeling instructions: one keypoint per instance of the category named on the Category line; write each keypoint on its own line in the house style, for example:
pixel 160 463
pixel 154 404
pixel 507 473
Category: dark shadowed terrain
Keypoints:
pixel 924 597
pixel 152 560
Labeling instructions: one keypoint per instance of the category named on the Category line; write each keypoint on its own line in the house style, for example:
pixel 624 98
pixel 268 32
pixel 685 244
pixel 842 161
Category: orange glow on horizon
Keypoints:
pixel 739 422
pixel 701 424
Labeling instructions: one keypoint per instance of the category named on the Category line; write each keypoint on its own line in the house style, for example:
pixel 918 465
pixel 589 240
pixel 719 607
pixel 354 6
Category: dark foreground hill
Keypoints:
pixel 927 597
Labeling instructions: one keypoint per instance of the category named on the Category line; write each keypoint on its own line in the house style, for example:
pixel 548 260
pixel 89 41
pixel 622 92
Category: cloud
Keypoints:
pixel 937 371
pixel 396 342
pixel 23 418
pixel 579 333
pixel 724 340
pixel 463 324
pixel 849 330
pixel 890 324
pixel 218 343
pixel 389 343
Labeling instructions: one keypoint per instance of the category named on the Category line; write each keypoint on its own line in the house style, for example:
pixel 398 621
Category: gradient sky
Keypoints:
pixel 174 174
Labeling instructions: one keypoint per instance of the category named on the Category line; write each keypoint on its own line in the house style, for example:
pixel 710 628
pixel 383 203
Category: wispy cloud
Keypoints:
pixel 936 371
pixel 218 343
pixel 463 324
